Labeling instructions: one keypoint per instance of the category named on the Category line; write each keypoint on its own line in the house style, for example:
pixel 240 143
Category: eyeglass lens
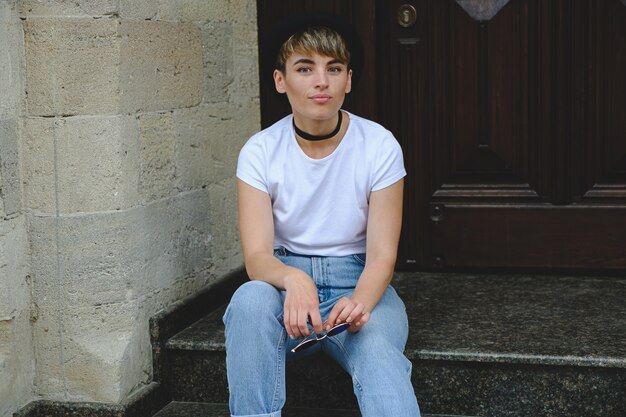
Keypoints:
pixel 307 343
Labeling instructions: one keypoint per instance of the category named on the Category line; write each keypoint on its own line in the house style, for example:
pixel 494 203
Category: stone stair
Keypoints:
pixel 481 345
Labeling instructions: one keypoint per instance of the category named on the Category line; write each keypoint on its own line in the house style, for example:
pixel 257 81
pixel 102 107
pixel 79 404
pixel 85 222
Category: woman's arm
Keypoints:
pixel 383 234
pixel 256 227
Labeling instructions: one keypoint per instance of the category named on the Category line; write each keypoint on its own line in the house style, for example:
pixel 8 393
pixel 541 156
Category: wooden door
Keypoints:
pixel 512 118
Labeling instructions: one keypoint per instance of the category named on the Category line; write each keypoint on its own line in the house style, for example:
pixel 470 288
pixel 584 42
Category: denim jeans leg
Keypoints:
pixel 374 358
pixel 255 351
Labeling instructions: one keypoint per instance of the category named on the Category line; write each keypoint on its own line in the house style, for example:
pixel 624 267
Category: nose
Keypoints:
pixel 321 79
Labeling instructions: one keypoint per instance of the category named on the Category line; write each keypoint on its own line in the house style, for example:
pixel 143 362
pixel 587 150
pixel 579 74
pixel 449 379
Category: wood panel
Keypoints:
pixel 484 236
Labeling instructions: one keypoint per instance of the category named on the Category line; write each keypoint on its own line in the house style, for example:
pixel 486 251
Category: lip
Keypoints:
pixel 321 98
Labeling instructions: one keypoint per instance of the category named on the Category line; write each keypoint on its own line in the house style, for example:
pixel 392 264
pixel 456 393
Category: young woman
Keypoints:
pixel 320 210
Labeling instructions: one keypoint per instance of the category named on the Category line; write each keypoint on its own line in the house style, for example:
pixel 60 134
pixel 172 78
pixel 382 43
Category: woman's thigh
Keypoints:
pixel 377 349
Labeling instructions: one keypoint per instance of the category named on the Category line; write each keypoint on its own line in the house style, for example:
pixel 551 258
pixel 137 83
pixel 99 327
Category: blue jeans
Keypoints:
pixel 257 345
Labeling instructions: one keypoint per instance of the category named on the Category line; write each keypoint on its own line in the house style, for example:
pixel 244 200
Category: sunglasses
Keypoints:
pixel 313 339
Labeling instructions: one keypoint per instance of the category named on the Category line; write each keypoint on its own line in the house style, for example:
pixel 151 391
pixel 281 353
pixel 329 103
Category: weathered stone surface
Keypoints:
pixel 245 87
pixel 10 187
pixel 243 11
pixel 139 161
pixel 67 8
pixel 13 268
pixel 95 159
pixel 17 367
pixel 114 271
pixel 194 10
pixel 16 347
pixel 161 65
pixel 10 63
pixel 189 149
pixel 73 66
pixel 2 214
pixel 203 134
pixel 107 66
pixel 139 9
pixel 157 177
pixel 218 58
pixel 225 246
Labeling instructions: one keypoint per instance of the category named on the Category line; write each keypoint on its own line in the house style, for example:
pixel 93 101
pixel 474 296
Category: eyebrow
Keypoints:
pixel 311 62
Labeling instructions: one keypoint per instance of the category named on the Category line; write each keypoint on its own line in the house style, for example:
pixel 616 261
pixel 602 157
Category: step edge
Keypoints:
pixel 174 403
pixel 460 356
pixel 518 358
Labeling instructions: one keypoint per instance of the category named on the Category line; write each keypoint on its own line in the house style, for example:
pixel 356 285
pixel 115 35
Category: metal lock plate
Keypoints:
pixel 406 15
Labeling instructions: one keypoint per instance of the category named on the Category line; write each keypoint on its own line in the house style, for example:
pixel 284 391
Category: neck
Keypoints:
pixel 317 136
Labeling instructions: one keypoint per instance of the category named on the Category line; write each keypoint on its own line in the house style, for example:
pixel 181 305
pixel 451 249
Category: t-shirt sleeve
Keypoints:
pixel 251 165
pixel 389 164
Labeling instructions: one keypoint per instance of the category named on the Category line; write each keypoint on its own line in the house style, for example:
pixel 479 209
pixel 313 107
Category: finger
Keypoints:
pixel 316 321
pixel 364 319
pixel 341 318
pixel 356 313
pixel 303 327
pixel 287 324
pixel 293 321
pixel 332 317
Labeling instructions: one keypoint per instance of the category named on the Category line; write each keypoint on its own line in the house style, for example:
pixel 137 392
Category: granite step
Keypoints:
pixel 481 345
pixel 189 409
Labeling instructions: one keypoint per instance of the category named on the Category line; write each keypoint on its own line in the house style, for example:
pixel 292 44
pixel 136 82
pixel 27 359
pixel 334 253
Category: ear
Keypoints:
pixel 349 83
pixel 279 81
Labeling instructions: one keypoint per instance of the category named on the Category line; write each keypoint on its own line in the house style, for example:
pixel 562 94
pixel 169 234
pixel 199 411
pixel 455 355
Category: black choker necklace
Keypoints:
pixel 308 136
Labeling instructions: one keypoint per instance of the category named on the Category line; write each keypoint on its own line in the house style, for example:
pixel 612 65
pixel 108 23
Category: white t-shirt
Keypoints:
pixel 320 206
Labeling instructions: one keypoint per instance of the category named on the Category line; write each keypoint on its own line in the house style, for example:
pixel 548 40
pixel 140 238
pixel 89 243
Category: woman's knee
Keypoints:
pixel 254 299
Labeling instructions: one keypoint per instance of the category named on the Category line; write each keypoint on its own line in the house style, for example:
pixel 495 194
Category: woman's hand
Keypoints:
pixel 301 304
pixel 347 311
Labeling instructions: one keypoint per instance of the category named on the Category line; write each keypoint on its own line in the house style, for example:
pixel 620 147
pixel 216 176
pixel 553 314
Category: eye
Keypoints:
pixel 303 70
pixel 335 69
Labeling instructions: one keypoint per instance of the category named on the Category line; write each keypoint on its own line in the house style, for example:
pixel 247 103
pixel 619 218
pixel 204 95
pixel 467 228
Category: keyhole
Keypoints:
pixel 406 15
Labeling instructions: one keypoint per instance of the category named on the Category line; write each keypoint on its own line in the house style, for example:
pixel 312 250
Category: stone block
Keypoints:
pixel 14 294
pixel 10 62
pixel 139 9
pixel 245 86
pixel 96 160
pixel 16 348
pixel 81 294
pixel 196 161
pixel 67 8
pixel 238 123
pixel 194 10
pixel 2 214
pixel 95 298
pixel 178 237
pixel 17 364
pixel 161 65
pixel 217 38
pixel 157 176
pixel 108 66
pixel 243 11
pixel 225 247
pixel 73 66
pixel 10 187
pixel 208 140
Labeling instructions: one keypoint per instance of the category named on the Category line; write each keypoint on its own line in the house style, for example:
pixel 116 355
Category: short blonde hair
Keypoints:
pixel 319 39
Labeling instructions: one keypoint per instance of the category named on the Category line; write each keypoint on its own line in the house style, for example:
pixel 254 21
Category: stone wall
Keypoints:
pixel 133 115
pixel 17 367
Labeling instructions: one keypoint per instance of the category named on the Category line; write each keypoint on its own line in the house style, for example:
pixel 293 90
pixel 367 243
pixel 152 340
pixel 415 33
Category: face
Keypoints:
pixel 315 85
